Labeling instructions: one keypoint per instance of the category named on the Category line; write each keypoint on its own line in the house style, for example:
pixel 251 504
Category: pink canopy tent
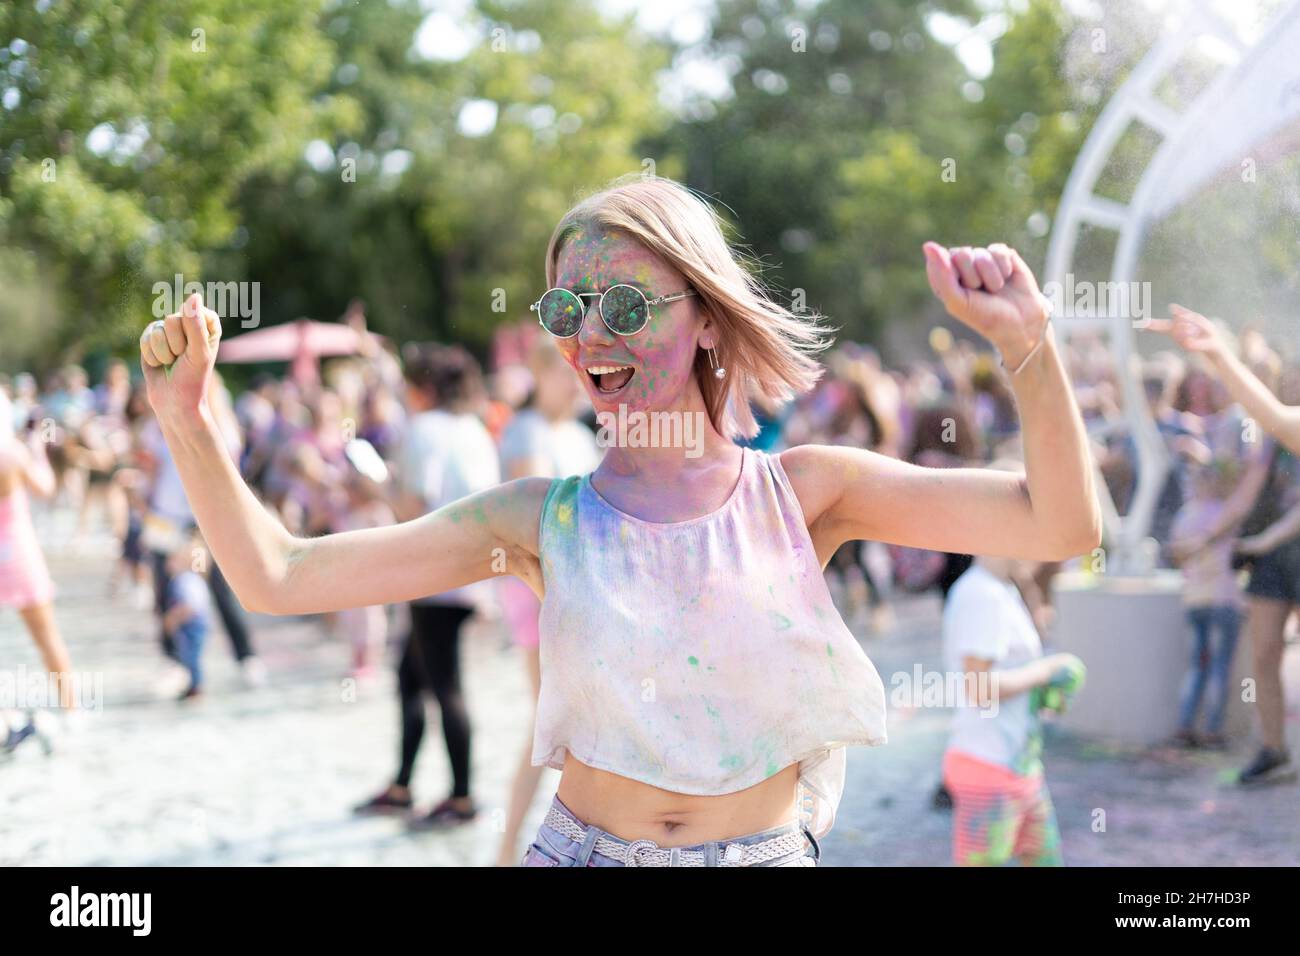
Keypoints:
pixel 301 343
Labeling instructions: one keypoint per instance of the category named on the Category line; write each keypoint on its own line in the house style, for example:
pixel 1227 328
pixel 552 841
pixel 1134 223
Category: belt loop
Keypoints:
pixel 710 854
pixel 588 845
pixel 675 856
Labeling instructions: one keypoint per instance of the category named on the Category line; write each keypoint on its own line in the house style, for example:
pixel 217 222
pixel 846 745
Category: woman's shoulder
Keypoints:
pixel 824 464
pixel 515 509
pixel 817 474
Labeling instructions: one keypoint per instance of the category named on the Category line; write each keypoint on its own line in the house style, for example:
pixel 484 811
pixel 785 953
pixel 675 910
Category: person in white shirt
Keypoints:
pixel 1002 810
pixel 447 454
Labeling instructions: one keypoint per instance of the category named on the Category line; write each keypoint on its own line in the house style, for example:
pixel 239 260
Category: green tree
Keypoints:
pixel 127 129
pixel 830 148
pixel 449 243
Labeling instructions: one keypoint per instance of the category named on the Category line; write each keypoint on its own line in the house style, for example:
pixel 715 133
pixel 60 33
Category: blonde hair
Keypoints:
pixel 767 349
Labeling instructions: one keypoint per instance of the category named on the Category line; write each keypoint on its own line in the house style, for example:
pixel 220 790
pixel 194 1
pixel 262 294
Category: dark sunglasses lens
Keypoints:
pixel 624 310
pixel 561 313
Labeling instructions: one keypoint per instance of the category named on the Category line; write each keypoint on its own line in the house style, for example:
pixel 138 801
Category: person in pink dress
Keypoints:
pixel 25 583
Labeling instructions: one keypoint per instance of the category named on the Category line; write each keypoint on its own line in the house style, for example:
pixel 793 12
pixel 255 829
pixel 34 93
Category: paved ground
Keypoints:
pixel 268 775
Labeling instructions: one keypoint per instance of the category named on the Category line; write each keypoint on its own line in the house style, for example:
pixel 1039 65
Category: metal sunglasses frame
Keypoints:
pixel 580 296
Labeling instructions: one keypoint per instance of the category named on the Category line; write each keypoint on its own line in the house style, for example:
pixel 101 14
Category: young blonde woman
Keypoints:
pixel 698 687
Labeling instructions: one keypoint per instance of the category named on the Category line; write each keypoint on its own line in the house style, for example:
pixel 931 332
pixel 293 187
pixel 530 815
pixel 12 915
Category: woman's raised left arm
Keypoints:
pixel 1049 513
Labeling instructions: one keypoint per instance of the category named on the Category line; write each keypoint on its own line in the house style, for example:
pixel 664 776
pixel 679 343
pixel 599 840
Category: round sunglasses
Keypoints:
pixel 624 309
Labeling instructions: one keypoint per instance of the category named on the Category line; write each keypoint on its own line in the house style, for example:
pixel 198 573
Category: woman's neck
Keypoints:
pixel 663 444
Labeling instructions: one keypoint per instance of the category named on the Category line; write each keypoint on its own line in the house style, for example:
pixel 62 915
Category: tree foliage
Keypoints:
pixel 321 151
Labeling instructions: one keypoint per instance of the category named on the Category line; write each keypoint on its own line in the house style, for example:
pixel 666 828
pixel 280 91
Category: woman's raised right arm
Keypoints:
pixel 270 570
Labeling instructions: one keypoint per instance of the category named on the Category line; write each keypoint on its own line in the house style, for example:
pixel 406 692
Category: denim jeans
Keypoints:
pixel 189 638
pixel 554 849
pixel 1209 667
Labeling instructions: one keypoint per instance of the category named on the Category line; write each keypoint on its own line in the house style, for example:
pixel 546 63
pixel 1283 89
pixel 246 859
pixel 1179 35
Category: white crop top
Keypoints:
pixel 699 656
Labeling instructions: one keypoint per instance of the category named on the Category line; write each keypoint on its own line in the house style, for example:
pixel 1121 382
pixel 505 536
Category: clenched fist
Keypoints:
pixel 177 354
pixel 993 292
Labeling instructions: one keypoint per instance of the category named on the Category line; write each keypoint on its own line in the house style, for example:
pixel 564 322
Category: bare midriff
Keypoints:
pixel 631 810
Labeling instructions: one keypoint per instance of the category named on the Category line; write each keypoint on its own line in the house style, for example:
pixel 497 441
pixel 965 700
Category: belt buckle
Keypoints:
pixel 635 847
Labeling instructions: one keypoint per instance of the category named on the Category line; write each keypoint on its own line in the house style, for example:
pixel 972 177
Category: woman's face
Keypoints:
pixel 661 356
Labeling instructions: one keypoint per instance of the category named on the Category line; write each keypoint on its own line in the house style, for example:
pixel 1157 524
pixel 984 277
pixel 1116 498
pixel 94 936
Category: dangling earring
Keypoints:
pixel 718 371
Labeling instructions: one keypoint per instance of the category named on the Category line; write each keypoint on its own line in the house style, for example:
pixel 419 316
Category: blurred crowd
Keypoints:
pixel 383 435
pixel 322 452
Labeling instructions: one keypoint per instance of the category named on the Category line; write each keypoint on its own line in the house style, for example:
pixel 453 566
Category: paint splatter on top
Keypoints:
pixel 725 659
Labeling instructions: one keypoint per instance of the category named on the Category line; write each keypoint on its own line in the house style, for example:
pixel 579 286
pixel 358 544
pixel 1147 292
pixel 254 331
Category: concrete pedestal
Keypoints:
pixel 1133 635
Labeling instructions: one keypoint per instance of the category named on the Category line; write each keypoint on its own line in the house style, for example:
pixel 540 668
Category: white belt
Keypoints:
pixel 649 853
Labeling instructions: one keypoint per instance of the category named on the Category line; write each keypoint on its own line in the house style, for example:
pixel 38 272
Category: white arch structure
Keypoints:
pixel 1254 96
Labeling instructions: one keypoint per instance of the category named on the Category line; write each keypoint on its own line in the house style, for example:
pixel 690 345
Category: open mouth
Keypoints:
pixel 609 379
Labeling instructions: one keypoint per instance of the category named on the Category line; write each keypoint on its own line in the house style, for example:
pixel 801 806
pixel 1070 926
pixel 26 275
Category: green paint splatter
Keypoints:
pixel 693 661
